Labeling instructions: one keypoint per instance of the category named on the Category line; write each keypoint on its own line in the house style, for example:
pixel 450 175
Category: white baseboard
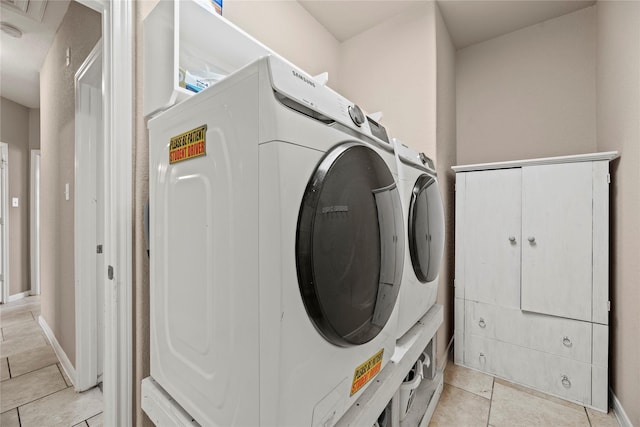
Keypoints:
pixel 618 411
pixel 18 296
pixel 62 356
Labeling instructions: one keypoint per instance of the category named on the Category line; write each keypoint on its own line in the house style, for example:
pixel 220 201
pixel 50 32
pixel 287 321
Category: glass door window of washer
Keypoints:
pixel 349 245
pixel 426 228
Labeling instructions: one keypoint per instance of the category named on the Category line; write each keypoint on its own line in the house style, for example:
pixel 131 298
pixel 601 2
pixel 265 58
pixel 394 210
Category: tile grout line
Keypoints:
pixel 466 391
pixel 587 414
pixel 41 397
pixel 9 368
pixel 19 420
pixel 62 373
pixel 42 367
pixel 493 384
pixel 93 416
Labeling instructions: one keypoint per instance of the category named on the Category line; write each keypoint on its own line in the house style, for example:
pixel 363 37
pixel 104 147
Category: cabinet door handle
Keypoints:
pixel 531 239
pixel 482 323
pixel 566 341
pixel 482 358
pixel 565 381
pixel 512 239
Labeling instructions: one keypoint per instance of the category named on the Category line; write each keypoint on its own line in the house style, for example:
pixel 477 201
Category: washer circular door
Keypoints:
pixel 426 228
pixel 349 245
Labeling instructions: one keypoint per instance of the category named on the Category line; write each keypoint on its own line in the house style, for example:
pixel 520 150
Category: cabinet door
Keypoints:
pixel 491 229
pixel 557 240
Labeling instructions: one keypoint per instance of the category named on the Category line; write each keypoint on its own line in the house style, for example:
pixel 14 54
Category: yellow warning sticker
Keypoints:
pixel 365 372
pixel 188 145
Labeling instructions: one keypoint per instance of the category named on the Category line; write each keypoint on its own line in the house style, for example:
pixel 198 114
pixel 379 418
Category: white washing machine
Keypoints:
pixel 276 250
pixel 424 224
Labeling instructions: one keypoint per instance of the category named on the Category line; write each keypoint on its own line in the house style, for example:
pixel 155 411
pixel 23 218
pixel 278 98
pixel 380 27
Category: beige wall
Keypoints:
pixel 391 68
pixel 34 129
pixel 14 130
pixel 618 107
pixel 529 93
pixel 445 158
pixel 80 30
pixel 288 29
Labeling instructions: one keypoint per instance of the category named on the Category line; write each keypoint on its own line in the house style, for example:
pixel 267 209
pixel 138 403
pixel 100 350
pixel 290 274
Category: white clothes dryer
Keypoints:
pixel 277 248
pixel 424 224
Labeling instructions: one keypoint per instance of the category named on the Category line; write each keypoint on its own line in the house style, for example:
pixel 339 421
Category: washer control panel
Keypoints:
pixel 313 97
pixel 378 130
pixel 356 114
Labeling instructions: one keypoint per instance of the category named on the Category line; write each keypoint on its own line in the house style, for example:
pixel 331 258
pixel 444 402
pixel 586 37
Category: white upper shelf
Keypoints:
pixel 187 31
pixel 608 156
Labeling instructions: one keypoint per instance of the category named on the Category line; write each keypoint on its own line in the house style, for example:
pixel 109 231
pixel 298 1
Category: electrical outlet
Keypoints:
pixel 14 202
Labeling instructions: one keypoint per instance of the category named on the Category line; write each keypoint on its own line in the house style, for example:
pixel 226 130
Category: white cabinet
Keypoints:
pixel 531 295
pixel 557 239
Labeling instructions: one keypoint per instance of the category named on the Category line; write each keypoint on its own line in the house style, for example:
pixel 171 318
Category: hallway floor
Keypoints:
pixel 471 398
pixel 35 391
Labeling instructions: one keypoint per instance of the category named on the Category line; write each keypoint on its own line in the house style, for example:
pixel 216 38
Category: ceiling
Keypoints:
pixel 21 58
pixel 475 21
pixel 468 21
pixel 347 18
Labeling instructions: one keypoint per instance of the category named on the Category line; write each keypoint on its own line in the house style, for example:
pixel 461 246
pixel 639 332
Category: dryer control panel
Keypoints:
pixel 315 99
pixel 412 157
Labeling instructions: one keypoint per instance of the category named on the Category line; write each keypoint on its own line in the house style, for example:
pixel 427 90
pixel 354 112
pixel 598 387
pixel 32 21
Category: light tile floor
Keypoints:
pixel 471 398
pixel 34 390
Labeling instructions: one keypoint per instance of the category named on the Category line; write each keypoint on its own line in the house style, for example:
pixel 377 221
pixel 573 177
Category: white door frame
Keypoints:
pixel 117 77
pixel 4 164
pixel 34 214
pixel 88 128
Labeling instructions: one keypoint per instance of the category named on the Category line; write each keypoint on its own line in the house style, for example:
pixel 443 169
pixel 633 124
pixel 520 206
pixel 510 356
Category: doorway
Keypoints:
pixel 89 221
pixel 4 222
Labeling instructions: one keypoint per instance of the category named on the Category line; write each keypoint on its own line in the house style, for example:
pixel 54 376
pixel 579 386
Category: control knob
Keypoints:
pixel 356 115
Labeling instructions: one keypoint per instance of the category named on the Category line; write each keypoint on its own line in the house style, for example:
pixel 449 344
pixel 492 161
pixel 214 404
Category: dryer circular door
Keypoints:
pixel 350 245
pixel 426 228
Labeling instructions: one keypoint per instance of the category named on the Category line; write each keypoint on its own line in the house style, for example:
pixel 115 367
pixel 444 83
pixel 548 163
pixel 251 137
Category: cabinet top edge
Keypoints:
pixel 590 157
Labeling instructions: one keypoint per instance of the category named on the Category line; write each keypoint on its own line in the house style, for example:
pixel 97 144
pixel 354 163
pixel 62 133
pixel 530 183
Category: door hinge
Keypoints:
pixel 608 178
pixel 110 272
pixel 99 249
pixel 608 305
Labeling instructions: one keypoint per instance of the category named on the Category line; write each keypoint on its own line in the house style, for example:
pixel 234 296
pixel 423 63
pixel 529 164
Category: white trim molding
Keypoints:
pixel 4 223
pixel 118 75
pixel 607 155
pixel 34 221
pixel 118 79
pixel 57 348
pixel 87 130
pixel 16 297
pixel 619 412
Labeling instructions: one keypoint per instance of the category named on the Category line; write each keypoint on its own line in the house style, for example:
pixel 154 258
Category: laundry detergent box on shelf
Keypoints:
pixel 217 5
